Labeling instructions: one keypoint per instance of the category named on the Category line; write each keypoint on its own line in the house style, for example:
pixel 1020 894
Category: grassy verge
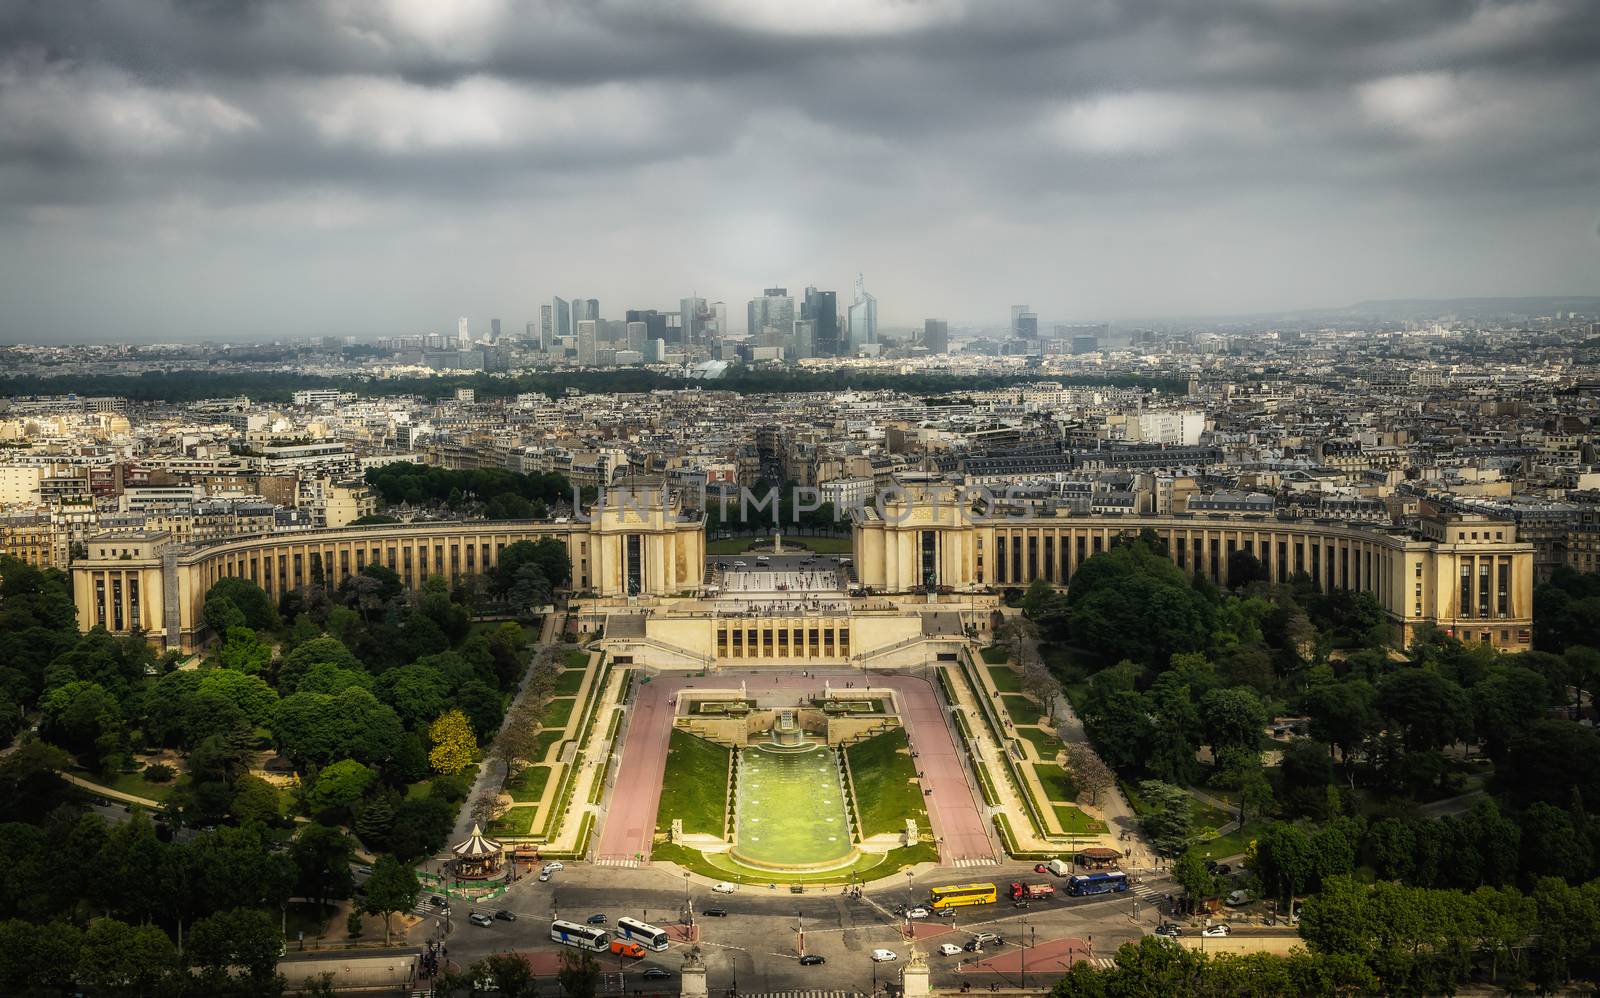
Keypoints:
pixel 1021 709
pixel 886 787
pixel 568 681
pixel 1005 679
pixel 542 742
pixel 1057 782
pixel 559 711
pixel 1009 841
pixel 581 848
pixel 945 687
pixel 135 784
pixel 528 787
pixel 1075 822
pixel 1044 741
pixel 572 658
pixel 870 866
pixel 517 820
pixel 996 655
pixel 985 782
pixel 694 786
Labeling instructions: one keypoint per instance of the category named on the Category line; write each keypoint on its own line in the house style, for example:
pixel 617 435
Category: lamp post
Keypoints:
pixel 800 930
pixel 909 875
pixel 687 907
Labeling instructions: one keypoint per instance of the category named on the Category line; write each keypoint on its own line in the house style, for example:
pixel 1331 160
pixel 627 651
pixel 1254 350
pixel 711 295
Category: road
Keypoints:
pixel 756 943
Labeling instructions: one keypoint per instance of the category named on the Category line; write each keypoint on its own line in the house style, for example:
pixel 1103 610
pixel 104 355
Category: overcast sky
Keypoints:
pixel 229 168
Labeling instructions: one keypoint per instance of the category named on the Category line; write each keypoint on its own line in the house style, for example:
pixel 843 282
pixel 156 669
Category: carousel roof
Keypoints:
pixel 476 846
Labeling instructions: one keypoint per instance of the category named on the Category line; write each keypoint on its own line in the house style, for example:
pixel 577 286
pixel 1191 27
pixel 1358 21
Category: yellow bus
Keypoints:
pixel 962 894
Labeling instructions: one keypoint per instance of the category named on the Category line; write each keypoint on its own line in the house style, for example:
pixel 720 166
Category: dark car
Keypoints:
pixel 656 974
pixel 1223 869
pixel 812 960
pixel 715 912
pixel 1169 930
pixel 596 919
pixel 437 901
pixel 506 916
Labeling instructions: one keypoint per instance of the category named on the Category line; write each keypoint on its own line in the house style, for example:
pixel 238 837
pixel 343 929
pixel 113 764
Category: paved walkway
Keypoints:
pixel 958 821
pixel 492 773
pixel 1113 808
pixel 109 792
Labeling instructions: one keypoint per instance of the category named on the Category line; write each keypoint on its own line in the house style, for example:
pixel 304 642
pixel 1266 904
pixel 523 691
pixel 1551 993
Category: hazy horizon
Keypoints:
pixel 206 169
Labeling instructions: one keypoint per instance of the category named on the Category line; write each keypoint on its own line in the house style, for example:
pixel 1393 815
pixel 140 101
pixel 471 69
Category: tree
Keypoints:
pixel 1233 718
pixel 1168 816
pixel 1120 730
pixel 1245 568
pixel 1304 776
pixel 1089 772
pixel 1566 919
pixel 252 602
pixel 1284 861
pixel 416 692
pixel 392 887
pixel 1133 602
pixel 83 718
pixel 321 856
pixel 1342 714
pixel 1240 769
pixel 1191 873
pixel 1429 710
pixel 339 786
pixel 579 975
pixel 1339 919
pixel 512 975
pixel 453 743
pixel 1504 703
pixel 318 651
pixel 243 939
pixel 249 693
pixel 118 957
pixel 254 799
pixel 243 651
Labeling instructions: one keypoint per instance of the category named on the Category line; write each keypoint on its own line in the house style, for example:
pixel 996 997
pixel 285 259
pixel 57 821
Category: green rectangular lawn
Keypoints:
pixel 1021 709
pixel 1075 822
pixel 694 786
pixel 543 740
pixel 516 821
pixel 1044 741
pixel 568 681
pixel 1005 679
pixel 528 786
pixel 996 654
pixel 886 786
pixel 1058 783
pixel 559 710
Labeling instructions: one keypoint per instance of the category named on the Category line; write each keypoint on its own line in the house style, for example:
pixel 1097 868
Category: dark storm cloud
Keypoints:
pixel 567 135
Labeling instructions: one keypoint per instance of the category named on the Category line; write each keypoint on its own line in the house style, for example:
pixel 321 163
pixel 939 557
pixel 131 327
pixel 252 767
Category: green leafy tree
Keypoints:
pixel 1285 861
pixel 252 602
pixel 254 799
pixel 250 693
pixel 1191 873
pixel 1168 817
pixel 1429 710
pixel 579 975
pixel 322 856
pixel 1233 718
pixel 392 887
pixel 512 974
pixel 246 940
pixel 243 651
pixel 339 786
pixel 1505 702
pixel 122 958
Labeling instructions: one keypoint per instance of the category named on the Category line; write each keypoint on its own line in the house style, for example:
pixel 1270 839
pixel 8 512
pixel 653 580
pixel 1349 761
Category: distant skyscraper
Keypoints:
pixel 693 317
pixel 638 332
pixel 547 330
pixel 805 339
pixel 463 335
pixel 585 308
pixel 772 315
pixel 588 334
pixel 936 335
pixel 863 317
pixel 719 312
pixel 822 308
pixel 494 330
pixel 1027 327
pixel 561 313
pixel 1017 312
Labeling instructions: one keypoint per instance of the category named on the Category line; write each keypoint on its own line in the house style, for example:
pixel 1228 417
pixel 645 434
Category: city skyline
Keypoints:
pixel 182 171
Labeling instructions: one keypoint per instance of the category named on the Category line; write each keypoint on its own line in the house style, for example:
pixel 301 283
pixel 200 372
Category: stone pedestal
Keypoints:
pixel 694 975
pixel 914 976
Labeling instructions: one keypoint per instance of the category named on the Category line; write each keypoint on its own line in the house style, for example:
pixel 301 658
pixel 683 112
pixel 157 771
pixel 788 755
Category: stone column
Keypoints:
pixel 913 977
pixel 694 975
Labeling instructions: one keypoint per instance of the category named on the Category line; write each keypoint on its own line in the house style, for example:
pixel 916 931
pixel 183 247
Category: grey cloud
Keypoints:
pixel 935 121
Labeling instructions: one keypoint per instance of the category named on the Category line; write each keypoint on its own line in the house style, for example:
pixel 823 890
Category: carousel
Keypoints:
pixel 478 858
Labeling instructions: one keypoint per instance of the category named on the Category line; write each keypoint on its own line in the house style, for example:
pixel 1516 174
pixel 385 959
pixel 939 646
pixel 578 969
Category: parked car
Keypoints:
pixel 949 949
pixel 479 918
pixel 656 974
pixel 884 956
pixel 1169 929
pixel 723 887
pixel 1238 898
pixel 918 912
pixel 544 875
pixel 555 866
pixel 812 960
pixel 944 913
pixel 596 919
pixel 1213 931
pixel 987 938
pixel 506 916
pixel 716 911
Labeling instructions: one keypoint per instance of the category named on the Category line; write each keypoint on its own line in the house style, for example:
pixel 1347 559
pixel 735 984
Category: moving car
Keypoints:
pixel 715 911
pixel 479 918
pixel 949 949
pixel 555 866
pixel 544 875
pixel 723 887
pixel 437 901
pixel 506 916
pixel 884 956
pixel 1169 930
pixel 626 948
pixel 596 919
pixel 986 938
pixel 1214 931
pixel 656 974
pixel 812 960
pixel 917 912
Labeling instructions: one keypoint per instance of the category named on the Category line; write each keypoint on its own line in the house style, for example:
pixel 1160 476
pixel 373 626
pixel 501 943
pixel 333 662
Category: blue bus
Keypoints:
pixel 1097 883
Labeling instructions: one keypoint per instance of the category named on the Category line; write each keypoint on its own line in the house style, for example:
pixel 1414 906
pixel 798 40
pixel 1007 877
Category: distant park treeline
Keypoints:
pixel 190 386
